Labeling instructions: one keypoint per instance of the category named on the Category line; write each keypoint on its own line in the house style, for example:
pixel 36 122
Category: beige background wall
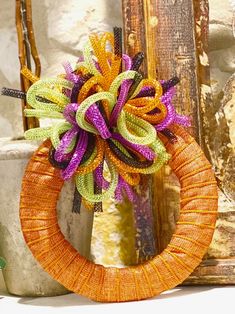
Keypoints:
pixel 61 28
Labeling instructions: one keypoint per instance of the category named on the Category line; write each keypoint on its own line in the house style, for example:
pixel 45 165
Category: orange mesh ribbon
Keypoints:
pixel 40 191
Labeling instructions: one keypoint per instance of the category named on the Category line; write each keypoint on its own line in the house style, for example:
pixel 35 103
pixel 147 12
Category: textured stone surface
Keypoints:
pixel 23 275
pixel 222 44
pixel 222 245
pixel 222 66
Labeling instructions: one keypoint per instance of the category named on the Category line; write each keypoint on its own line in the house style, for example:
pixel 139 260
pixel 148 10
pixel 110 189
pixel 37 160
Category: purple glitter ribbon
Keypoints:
pixel 99 178
pixel 69 113
pixel 69 73
pixel 127 188
pixel 93 114
pixel 183 120
pixel 145 151
pixel 60 153
pixel 80 149
pixel 127 62
pixel 172 116
pixel 122 187
pixel 76 88
pixel 123 92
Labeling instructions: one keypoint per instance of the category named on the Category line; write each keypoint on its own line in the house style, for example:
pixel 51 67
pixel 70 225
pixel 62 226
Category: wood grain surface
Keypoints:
pixel 174 36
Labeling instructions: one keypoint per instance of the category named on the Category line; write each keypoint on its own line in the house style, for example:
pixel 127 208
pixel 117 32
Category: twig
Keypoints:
pixel 31 37
pixel 25 33
pixel 24 53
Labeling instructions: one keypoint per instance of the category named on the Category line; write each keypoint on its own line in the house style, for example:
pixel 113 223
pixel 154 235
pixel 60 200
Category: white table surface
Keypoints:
pixel 182 300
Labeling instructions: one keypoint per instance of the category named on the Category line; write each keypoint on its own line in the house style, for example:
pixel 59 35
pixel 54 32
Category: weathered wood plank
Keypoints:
pixel 136 31
pixel 175 50
pixel 176 55
pixel 133 27
pixel 176 43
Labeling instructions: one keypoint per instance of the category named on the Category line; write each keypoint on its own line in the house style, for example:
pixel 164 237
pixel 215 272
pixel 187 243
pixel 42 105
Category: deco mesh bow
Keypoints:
pixel 108 119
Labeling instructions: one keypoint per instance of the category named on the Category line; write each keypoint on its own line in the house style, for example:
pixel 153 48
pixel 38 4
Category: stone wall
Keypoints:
pixel 222 55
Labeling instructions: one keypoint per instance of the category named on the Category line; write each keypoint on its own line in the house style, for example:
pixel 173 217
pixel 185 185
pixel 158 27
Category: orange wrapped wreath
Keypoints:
pixel 42 184
pixel 113 121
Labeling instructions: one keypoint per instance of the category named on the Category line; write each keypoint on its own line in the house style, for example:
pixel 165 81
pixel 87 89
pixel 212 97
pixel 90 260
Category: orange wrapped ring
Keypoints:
pixel 40 191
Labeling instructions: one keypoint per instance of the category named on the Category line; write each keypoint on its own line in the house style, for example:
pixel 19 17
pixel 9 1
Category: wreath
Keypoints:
pixel 114 127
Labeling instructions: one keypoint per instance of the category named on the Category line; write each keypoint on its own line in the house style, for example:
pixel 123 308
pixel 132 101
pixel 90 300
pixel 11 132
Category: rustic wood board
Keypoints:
pixel 174 36
pixel 135 32
pixel 176 54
